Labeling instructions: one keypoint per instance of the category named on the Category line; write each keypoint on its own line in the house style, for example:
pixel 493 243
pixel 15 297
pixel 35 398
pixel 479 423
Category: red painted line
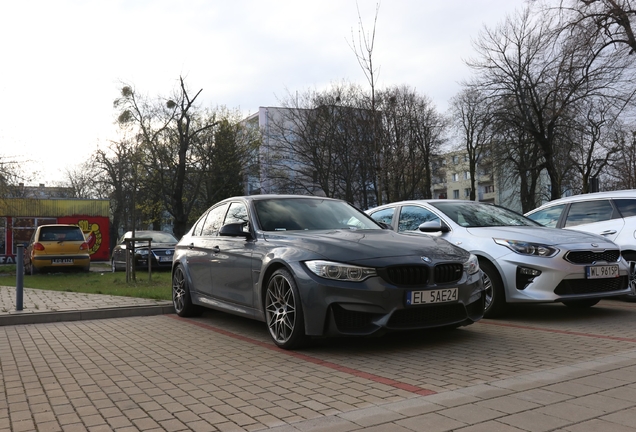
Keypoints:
pixel 371 377
pixel 567 332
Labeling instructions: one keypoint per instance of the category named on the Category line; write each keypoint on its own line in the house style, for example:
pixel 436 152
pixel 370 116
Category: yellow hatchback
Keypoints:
pixel 56 247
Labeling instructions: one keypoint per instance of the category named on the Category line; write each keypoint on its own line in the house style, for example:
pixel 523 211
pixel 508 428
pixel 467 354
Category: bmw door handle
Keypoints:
pixel 608 232
pixel 216 249
pixel 191 245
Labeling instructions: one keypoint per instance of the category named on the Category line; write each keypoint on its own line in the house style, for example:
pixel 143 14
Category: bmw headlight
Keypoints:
pixel 472 265
pixel 525 248
pixel 339 271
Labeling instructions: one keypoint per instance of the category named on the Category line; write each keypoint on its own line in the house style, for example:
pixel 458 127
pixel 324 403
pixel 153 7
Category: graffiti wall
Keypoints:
pixel 19 217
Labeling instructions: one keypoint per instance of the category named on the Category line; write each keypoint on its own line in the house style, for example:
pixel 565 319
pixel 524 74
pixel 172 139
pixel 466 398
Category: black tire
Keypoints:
pixel 581 304
pixel 632 281
pixel 181 299
pixel 283 311
pixel 495 303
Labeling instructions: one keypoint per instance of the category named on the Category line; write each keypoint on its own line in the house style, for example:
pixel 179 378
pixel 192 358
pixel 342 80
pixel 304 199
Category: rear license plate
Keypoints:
pixel 62 261
pixel 431 296
pixel 601 271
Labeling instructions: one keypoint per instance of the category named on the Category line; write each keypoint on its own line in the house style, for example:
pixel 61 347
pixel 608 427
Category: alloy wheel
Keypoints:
pixel 488 289
pixel 280 309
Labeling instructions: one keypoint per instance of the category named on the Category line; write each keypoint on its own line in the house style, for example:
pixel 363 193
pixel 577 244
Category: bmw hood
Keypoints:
pixel 542 235
pixel 360 245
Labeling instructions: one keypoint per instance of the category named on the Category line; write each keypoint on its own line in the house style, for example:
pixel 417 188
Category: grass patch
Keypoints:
pixel 158 288
pixel 7 269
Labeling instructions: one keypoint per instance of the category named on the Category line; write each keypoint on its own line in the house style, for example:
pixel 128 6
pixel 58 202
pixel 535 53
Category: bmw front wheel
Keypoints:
pixel 283 310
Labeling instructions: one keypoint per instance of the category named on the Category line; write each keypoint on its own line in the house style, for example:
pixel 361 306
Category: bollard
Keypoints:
pixel 19 277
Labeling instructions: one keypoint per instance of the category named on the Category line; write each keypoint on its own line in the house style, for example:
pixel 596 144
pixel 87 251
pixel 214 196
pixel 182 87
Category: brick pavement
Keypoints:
pixel 544 368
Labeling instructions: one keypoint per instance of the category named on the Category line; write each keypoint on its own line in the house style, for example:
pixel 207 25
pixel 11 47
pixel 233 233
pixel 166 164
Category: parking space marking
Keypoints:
pixel 567 332
pixel 360 374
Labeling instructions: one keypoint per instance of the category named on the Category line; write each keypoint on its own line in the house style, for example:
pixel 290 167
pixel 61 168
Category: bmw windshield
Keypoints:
pixel 293 214
pixel 475 215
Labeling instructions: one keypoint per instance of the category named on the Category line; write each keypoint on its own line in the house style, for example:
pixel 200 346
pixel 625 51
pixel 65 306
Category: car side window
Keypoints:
pixel 548 217
pixel 237 213
pixel 385 216
pixel 589 212
pixel 214 220
pixel 411 217
pixel 627 207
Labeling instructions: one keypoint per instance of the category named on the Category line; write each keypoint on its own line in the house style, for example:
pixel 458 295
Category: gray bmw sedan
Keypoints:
pixel 314 266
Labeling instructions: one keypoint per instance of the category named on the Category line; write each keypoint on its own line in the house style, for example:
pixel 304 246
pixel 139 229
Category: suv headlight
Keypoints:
pixel 525 248
pixel 472 265
pixel 339 271
pixel 142 252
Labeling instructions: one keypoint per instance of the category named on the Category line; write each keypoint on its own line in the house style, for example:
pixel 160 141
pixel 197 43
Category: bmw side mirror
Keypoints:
pixel 433 226
pixel 234 230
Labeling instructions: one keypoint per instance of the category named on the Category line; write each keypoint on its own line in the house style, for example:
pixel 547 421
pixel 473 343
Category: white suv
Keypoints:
pixel 609 214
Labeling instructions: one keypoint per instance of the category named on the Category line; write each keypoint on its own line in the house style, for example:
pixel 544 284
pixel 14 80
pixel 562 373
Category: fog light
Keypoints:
pixel 529 271
pixel 525 276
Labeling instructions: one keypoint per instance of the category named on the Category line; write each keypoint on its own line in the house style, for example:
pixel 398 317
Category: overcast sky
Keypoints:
pixel 63 60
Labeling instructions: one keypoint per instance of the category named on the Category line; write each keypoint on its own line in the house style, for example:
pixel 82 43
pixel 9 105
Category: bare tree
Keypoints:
pixel 167 130
pixel 473 120
pixel 621 173
pixel 319 144
pixel 412 132
pixel 363 50
pixel 609 22
pixel 529 62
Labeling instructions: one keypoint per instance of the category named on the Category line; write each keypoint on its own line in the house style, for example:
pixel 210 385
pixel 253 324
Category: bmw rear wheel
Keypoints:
pixel 283 310
pixel 181 299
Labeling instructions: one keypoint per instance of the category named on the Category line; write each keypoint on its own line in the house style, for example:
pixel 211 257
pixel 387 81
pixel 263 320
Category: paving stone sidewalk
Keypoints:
pixel 41 306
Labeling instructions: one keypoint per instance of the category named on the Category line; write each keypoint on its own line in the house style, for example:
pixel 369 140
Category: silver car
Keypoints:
pixel 610 214
pixel 522 261
pixel 312 266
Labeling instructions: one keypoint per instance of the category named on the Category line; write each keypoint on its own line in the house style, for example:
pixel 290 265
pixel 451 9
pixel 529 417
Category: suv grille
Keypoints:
pixel 590 257
pixel 446 273
pixel 406 275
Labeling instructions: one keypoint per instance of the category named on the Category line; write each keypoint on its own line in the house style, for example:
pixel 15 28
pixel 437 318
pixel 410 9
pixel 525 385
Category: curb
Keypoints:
pixel 18 318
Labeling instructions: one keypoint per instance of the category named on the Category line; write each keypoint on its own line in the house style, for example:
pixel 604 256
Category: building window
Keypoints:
pixel 489 189
pixel 455 159
pixel 467 175
pixel 467 192
pixel 466 157
pixel 455 177
pixel 456 194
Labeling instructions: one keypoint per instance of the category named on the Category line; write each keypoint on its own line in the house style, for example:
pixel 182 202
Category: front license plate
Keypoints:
pixel 162 259
pixel 602 271
pixel 62 261
pixel 431 296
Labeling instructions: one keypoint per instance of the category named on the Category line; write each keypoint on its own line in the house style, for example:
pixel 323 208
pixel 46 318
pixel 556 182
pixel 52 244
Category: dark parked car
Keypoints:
pixel 161 252
pixel 313 266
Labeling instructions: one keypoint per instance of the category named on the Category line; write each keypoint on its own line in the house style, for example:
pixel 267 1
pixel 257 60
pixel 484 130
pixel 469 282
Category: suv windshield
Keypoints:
pixel 289 214
pixel 474 215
